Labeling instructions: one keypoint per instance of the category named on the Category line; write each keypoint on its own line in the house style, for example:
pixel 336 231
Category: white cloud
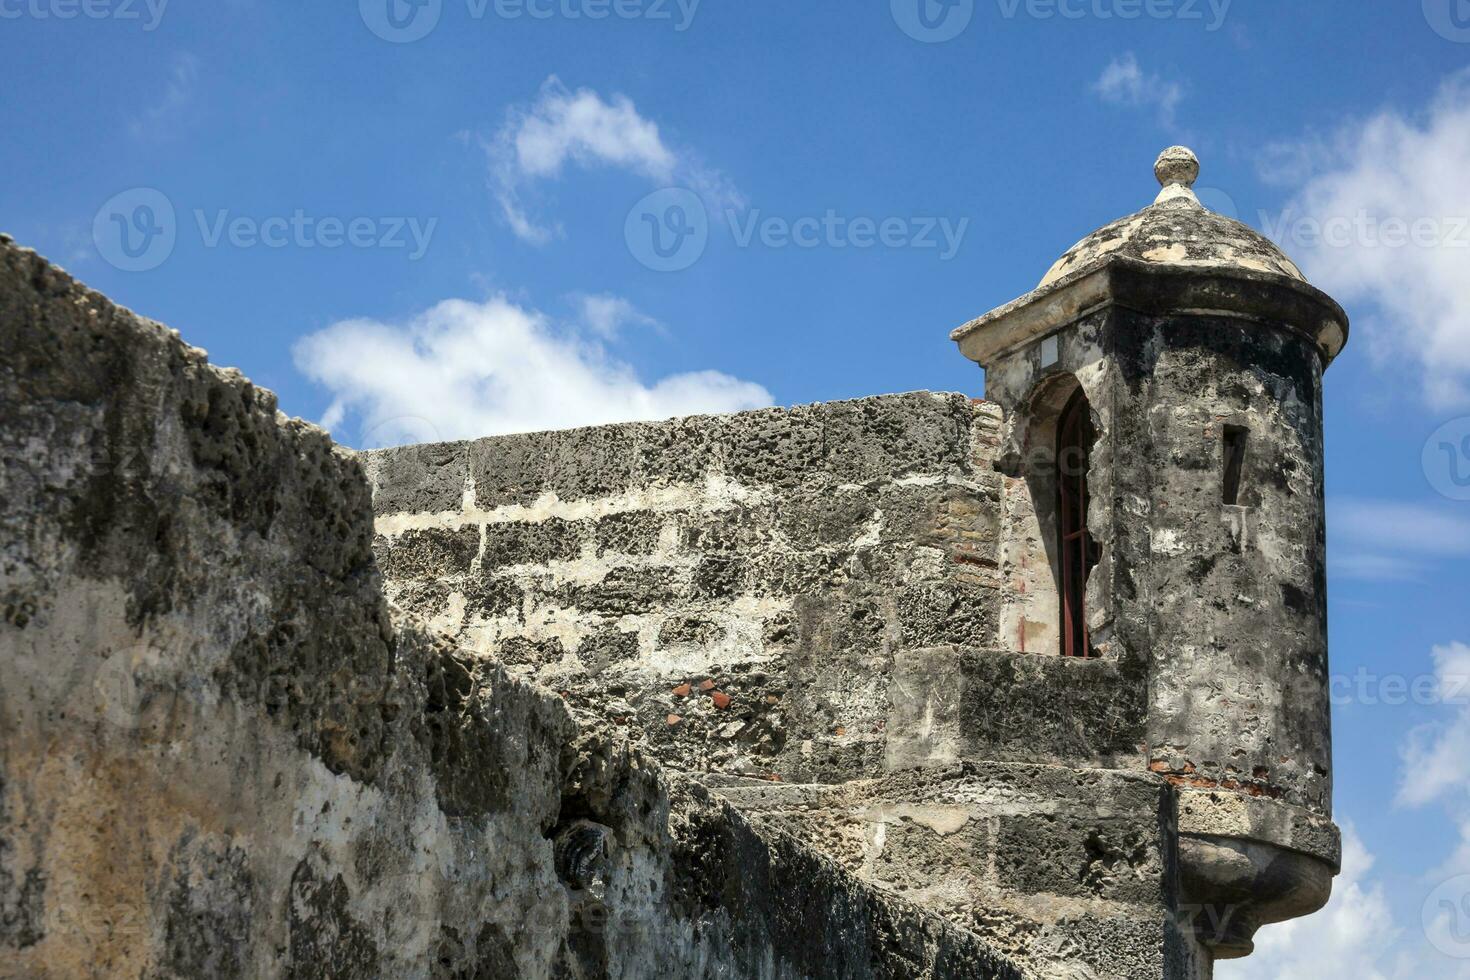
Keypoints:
pixel 1124 83
pixel 1369 567
pixel 1436 757
pixel 582 128
pixel 606 315
pixel 1346 939
pixel 159 118
pixel 1393 178
pixel 1388 541
pixel 1398 527
pixel 464 369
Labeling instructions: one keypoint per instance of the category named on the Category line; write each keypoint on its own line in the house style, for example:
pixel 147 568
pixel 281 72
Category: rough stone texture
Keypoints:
pixel 833 570
pixel 1178 232
pixel 1044 860
pixel 225 755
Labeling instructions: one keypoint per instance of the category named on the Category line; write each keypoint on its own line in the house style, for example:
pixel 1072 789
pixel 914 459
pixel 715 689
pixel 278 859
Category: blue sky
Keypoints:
pixel 445 236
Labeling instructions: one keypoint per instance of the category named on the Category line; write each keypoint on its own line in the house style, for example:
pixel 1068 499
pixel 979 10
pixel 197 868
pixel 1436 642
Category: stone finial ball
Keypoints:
pixel 1177 165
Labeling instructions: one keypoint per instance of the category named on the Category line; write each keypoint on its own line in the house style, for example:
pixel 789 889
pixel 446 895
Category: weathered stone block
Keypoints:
pixel 524 543
pixel 690 629
pixel 720 578
pixel 777 447
pixel 606 649
pixel 631 533
pixel 623 591
pixel 828 518
pixel 418 479
pixel 526 651
pixel 1029 706
pixel 946 614
pixel 493 596
pixel 430 553
pixel 507 470
pixel 897 435
pixel 789 574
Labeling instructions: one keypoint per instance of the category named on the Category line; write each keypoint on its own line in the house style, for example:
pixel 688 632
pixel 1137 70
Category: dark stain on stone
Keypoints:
pixel 208 912
pixel 326 942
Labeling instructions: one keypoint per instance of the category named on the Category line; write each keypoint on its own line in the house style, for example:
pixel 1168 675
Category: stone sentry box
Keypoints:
pixel 1200 349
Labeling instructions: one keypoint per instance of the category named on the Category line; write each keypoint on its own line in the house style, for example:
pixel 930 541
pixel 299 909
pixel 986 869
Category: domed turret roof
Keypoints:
pixel 1177 230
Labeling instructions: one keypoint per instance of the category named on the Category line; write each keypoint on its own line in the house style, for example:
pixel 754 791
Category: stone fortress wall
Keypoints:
pixel 809 594
pixel 226 755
